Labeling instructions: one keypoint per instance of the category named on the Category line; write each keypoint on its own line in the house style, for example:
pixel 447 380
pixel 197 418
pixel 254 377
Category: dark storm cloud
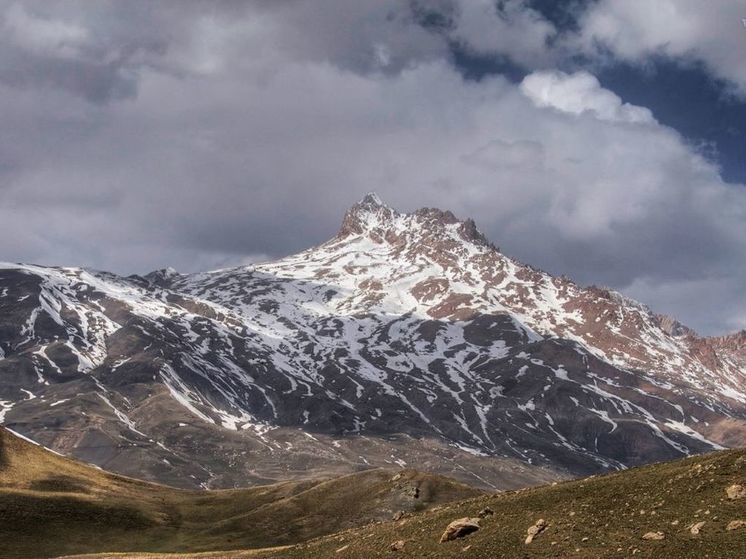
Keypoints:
pixel 202 134
pixel 44 47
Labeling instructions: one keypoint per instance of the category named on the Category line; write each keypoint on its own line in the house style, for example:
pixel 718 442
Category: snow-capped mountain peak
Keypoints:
pixel 368 215
pixel 402 325
pixel 373 218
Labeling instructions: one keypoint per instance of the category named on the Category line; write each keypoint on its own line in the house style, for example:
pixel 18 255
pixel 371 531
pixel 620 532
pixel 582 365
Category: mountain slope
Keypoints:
pixel 50 505
pixel 602 517
pixel 407 338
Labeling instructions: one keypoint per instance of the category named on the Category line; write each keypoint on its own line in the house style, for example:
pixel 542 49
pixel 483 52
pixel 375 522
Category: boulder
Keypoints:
pixel 736 525
pixel 460 528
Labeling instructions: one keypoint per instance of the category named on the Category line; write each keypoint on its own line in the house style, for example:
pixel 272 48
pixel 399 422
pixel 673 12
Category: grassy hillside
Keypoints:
pixel 613 512
pixel 51 506
pixel 602 517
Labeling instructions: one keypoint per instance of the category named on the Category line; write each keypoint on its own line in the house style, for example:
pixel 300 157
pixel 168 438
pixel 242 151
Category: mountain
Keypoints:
pixel 406 339
pixel 51 505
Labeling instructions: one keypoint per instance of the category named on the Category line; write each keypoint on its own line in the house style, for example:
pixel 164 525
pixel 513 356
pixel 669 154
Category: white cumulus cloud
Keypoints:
pixel 580 93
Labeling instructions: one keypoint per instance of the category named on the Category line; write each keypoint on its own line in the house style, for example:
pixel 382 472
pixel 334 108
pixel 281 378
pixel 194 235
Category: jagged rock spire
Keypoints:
pixel 366 214
pixel 371 216
pixel 371 199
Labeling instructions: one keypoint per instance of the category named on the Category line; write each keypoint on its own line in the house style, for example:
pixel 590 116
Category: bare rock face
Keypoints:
pixel 406 339
pixel 460 528
pixel 673 327
pixel 734 344
pixel 533 531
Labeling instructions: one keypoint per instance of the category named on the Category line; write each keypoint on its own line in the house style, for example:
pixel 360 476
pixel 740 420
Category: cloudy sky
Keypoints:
pixel 599 139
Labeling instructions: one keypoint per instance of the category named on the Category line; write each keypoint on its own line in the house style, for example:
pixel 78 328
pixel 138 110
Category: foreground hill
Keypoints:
pixel 51 505
pixel 405 339
pixel 600 517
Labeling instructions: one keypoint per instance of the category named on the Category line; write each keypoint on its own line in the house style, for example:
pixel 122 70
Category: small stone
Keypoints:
pixel 398 516
pixel 585 539
pixel 533 531
pixel 486 511
pixel 654 536
pixel 398 545
pixel 460 528
pixel 696 527
pixel 735 491
pixel 341 549
pixel 736 525
pixel 466 548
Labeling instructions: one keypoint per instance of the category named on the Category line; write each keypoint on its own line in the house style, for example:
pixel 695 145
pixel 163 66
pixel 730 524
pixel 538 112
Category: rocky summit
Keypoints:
pixel 408 339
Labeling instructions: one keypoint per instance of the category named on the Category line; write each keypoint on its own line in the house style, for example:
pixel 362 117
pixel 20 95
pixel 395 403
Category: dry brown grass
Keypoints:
pixel 206 555
pixel 592 518
pixel 600 517
pixel 51 506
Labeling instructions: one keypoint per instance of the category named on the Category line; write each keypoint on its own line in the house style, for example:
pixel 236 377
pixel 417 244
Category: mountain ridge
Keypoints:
pixel 408 333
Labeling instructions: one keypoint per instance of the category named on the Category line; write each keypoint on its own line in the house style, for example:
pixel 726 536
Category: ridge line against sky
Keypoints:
pixel 597 139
